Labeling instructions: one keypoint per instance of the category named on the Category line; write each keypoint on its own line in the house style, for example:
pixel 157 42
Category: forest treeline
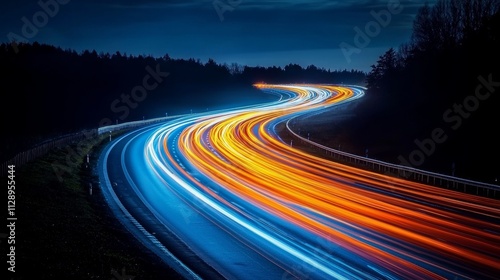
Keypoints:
pixel 49 91
pixel 434 100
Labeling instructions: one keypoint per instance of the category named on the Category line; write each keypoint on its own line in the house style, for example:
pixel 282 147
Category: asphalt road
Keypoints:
pixel 220 195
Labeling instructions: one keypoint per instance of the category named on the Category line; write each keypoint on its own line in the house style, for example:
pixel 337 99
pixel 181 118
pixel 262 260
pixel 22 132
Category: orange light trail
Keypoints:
pixel 413 230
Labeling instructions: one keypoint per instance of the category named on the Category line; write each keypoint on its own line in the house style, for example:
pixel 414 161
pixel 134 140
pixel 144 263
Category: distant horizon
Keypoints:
pixel 332 35
pixel 202 60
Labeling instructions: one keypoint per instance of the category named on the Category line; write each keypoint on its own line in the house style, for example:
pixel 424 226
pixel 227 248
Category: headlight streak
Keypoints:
pixel 380 226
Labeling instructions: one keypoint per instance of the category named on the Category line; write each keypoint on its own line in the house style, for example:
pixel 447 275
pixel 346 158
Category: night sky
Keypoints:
pixel 254 33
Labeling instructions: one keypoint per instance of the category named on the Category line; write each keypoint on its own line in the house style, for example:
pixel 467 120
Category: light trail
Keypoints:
pixel 312 217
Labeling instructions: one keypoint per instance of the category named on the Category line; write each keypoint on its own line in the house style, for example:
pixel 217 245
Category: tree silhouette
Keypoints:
pixel 385 68
pixel 454 44
pixel 58 91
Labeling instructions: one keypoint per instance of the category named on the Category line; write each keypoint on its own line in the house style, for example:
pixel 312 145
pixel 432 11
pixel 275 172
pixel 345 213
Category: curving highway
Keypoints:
pixel 220 196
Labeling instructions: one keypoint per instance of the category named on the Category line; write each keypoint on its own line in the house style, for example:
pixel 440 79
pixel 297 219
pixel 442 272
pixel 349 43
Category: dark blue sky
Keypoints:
pixel 265 33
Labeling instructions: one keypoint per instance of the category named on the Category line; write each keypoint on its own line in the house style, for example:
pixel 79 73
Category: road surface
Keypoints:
pixel 220 195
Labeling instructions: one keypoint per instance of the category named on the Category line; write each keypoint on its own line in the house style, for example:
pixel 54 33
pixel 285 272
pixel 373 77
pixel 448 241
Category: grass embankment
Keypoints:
pixel 63 231
pixel 287 137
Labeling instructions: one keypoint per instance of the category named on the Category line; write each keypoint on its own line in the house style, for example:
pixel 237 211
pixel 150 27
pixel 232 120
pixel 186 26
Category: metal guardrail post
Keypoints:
pixel 407 172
